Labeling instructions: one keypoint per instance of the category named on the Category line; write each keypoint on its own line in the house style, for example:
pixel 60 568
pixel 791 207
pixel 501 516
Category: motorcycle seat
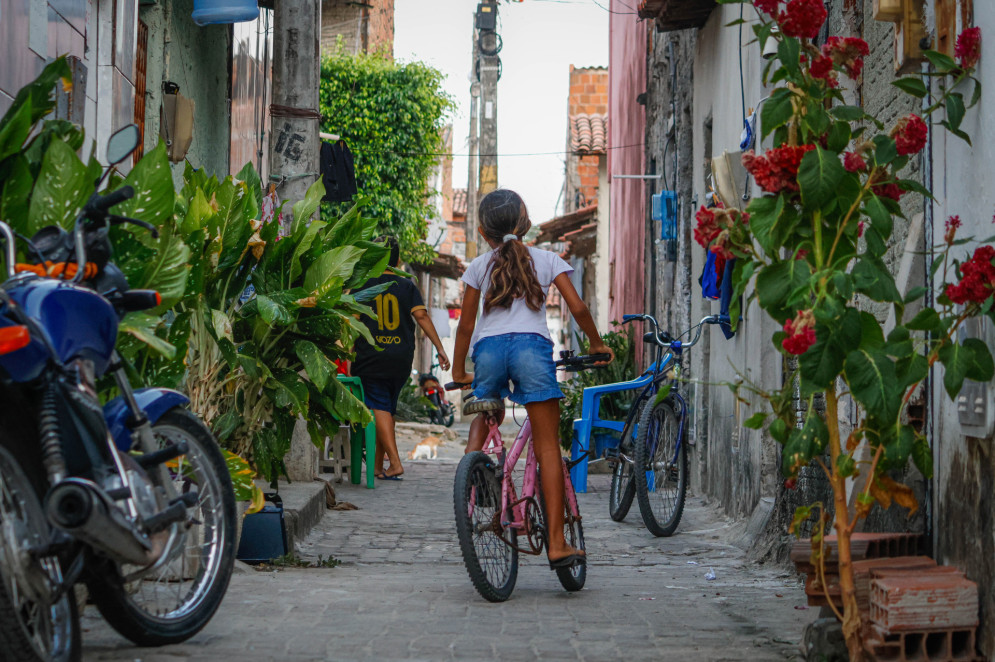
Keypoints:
pixel 472 405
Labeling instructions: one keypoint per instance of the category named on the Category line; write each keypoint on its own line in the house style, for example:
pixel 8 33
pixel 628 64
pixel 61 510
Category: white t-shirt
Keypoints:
pixel 518 318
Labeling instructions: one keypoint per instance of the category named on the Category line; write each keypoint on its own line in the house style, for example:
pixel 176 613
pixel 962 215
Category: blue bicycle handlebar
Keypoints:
pixel 630 317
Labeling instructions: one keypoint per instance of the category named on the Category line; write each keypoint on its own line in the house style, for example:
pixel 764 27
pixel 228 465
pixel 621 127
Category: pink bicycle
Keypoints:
pixel 492 514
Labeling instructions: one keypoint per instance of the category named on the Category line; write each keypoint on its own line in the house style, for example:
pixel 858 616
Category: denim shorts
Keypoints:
pixel 524 359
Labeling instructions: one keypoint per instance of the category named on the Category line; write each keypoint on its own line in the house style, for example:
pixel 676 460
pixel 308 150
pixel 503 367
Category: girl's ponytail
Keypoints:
pixel 504 218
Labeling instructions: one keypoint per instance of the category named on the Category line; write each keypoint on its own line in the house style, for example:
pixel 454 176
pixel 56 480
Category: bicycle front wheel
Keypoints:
pixel 488 549
pixel 661 469
pixel 623 488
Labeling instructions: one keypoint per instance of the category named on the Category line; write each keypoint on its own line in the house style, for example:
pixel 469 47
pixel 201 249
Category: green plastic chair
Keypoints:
pixel 358 437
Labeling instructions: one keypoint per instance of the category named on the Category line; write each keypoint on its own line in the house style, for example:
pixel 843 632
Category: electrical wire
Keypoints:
pixel 399 153
pixel 612 11
pixel 742 85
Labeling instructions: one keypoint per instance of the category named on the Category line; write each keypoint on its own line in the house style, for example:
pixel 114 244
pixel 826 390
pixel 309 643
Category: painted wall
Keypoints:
pixel 251 84
pixel 197 59
pixel 626 128
pixel 964 483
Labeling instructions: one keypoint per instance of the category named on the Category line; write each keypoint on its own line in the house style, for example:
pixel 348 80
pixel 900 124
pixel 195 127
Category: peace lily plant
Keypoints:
pixel 811 252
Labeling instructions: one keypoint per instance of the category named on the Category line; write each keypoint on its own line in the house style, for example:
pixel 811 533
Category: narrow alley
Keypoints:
pixel 401 592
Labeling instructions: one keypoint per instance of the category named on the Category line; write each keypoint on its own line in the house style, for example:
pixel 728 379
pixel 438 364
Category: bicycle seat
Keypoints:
pixel 472 405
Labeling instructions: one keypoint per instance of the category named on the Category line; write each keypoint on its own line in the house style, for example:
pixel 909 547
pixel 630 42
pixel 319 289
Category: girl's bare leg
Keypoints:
pixel 478 432
pixel 545 418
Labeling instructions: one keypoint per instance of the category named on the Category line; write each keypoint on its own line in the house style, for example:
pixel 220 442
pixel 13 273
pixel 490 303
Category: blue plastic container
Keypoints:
pixel 207 12
pixel 603 441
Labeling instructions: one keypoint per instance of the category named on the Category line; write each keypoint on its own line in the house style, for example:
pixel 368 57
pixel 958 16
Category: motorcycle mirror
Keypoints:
pixel 122 143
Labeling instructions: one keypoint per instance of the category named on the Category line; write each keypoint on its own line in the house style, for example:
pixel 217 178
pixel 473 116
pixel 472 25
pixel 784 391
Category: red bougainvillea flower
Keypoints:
pixel 768 7
pixel 889 190
pixel 801 254
pixel 822 68
pixel 854 162
pixel 802 18
pixel 860 229
pixel 777 169
pixel 910 135
pixel 848 53
pixel 952 224
pixel 801 333
pixel 968 49
pixel 977 278
pixel 708 229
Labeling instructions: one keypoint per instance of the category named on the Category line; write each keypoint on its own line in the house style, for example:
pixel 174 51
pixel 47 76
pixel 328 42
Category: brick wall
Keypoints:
pixel 588 94
pixel 361 28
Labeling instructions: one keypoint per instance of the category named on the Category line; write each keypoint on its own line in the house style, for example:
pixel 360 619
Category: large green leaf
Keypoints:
pixel 61 190
pixel 777 284
pixel 872 277
pixel 873 382
pixel 823 361
pixel 143 326
pixel 968 360
pixel 336 263
pixel 305 238
pixel 289 390
pixel 341 403
pixel 819 174
pixel 152 180
pixel 777 111
pixel 922 455
pixel 305 209
pixel 802 445
pixel 272 312
pixel 167 271
pixel 15 130
pixel 319 369
pixel 772 221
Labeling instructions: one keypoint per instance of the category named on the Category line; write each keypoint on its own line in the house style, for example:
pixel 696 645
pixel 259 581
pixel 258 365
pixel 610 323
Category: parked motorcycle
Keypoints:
pixel 133 497
pixel 442 412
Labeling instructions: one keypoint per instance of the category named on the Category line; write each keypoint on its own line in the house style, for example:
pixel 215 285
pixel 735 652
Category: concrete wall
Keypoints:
pixel 963 497
pixel 626 118
pixel 197 59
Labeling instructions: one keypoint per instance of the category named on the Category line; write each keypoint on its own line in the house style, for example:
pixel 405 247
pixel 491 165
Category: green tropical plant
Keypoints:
pixel 392 114
pixel 614 406
pixel 811 250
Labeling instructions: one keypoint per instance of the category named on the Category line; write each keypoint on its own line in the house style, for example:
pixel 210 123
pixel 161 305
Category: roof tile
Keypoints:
pixel 588 133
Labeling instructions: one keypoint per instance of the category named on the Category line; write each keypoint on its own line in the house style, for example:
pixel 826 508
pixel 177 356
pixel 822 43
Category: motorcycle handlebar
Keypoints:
pixel 102 204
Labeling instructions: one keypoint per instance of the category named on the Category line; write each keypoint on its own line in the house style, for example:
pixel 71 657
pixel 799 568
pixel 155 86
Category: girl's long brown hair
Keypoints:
pixel 513 273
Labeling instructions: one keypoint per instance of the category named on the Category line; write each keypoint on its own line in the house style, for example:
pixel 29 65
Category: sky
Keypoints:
pixel 542 38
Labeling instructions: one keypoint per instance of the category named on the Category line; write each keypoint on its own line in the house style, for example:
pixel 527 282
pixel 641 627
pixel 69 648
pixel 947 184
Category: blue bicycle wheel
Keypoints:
pixel 661 469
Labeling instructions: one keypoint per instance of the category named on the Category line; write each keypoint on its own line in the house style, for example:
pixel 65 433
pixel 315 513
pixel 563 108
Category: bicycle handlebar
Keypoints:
pixel 676 344
pixel 578 363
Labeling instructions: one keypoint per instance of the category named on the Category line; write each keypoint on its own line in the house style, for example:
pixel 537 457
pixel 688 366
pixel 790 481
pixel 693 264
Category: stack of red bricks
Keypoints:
pixel 911 609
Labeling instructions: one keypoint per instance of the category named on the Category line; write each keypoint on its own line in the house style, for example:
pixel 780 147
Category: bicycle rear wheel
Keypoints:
pixel 623 488
pixel 661 469
pixel 488 550
pixel 574 578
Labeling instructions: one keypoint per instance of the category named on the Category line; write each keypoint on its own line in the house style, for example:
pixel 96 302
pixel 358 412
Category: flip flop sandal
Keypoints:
pixel 386 477
pixel 568 561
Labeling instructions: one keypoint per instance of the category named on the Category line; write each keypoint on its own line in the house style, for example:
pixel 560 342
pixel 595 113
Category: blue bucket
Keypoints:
pixel 207 12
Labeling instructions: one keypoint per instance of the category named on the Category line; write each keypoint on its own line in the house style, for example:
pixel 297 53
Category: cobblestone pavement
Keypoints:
pixel 401 592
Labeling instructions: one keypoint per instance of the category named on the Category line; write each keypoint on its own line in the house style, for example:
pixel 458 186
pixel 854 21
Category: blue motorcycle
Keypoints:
pixel 132 498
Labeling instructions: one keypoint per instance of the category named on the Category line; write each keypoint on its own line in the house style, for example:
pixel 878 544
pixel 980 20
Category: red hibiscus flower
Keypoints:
pixel 801 333
pixel 848 53
pixel 802 18
pixel 968 49
pixel 854 162
pixel 977 278
pixel 777 169
pixel 910 135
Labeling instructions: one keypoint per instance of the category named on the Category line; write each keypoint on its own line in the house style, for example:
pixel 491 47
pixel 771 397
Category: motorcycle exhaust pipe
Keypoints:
pixel 80 508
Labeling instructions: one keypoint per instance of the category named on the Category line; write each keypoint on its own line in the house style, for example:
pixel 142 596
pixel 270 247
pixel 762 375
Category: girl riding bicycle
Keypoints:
pixel 511 343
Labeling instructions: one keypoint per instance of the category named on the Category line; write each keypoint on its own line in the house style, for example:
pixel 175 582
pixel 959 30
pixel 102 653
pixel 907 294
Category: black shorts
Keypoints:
pixel 382 393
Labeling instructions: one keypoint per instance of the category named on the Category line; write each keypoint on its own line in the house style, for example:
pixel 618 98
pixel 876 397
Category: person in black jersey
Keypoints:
pixel 385 372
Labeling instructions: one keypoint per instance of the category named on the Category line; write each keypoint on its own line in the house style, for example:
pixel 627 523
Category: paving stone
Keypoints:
pixel 402 593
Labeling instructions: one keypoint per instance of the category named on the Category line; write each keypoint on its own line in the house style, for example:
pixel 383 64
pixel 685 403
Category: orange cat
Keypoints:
pixel 427 449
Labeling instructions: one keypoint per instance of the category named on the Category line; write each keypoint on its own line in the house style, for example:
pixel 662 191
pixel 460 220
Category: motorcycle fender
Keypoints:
pixel 153 401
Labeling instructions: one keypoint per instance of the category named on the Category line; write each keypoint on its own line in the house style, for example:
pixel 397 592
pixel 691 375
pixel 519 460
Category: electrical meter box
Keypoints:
pixel 486 17
pixel 976 400
pixel 664 209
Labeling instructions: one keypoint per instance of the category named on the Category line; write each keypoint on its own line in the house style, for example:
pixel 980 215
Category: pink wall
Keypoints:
pixel 626 156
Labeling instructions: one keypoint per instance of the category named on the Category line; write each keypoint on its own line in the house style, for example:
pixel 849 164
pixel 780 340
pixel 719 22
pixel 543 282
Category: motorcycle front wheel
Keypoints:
pixel 33 626
pixel 171 601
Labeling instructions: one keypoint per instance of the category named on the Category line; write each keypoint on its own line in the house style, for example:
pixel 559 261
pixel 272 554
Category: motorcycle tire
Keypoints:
pixel 28 631
pixel 122 603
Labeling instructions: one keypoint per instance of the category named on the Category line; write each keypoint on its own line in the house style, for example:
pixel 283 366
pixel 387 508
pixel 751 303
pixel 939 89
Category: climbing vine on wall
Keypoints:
pixel 391 115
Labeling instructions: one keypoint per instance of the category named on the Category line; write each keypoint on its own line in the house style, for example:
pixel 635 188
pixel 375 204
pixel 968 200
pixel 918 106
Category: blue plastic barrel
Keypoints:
pixel 207 12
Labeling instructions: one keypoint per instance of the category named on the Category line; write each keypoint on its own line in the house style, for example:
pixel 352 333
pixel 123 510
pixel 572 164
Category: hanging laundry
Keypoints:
pixel 338 173
pixel 710 279
pixel 725 289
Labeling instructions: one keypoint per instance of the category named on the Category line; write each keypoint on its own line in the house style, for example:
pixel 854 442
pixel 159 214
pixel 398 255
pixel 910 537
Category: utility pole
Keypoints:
pixel 488 45
pixel 294 115
pixel 471 180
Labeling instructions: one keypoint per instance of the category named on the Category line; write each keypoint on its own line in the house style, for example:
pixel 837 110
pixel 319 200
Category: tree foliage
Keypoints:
pixel 391 115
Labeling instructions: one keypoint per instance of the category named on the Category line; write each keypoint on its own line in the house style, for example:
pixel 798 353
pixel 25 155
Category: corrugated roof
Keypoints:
pixel 676 14
pixel 553 230
pixel 459 202
pixel 588 133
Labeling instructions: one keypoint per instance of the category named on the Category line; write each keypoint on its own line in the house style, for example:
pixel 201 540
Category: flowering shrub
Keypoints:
pixel 813 248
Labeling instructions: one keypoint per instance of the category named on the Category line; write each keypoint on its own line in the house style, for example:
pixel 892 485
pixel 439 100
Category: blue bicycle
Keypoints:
pixel 651 459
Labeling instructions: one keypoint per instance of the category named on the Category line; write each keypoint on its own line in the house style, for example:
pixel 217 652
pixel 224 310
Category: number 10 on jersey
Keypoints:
pixel 388 312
